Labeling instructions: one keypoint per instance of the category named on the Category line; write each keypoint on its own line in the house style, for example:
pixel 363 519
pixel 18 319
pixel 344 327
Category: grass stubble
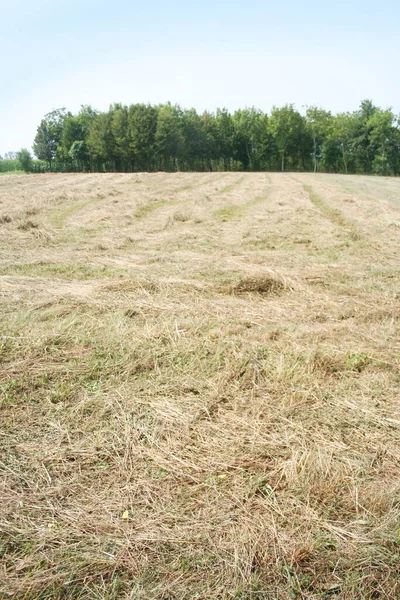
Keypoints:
pixel 199 399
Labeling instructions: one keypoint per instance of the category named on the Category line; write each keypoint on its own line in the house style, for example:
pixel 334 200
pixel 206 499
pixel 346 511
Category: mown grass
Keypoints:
pixel 232 186
pixel 145 210
pixel 233 212
pixel 333 214
pixel 60 216
pixel 181 420
pixel 74 271
pixel 230 213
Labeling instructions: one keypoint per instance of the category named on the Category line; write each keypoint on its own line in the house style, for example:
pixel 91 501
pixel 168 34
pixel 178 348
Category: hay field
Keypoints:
pixel 199 386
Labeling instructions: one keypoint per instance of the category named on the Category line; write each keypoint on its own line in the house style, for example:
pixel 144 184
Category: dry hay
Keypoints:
pixel 257 285
pixel 28 225
pixel 199 408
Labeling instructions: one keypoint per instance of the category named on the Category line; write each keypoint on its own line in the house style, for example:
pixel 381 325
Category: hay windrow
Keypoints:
pixel 28 225
pixel 262 285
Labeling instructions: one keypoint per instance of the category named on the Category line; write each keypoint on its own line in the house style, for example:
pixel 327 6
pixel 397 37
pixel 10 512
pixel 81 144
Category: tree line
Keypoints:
pixel 21 161
pixel 166 137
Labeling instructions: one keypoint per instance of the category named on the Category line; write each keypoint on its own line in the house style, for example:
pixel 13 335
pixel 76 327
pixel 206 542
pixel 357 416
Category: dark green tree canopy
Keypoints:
pixel 142 137
pixel 24 158
pixel 49 134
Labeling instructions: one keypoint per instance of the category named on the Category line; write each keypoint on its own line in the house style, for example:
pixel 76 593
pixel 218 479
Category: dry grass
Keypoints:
pixel 199 387
pixel 257 285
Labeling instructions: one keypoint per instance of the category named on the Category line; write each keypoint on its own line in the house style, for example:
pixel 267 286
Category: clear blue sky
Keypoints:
pixel 205 54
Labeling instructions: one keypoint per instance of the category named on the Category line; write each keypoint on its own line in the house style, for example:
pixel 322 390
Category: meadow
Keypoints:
pixel 199 386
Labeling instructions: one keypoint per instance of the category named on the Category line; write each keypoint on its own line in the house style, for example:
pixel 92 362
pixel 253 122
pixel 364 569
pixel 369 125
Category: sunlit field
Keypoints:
pixel 199 386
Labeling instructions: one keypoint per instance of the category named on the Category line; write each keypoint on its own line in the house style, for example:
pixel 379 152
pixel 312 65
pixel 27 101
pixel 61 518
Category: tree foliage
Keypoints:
pixel 24 159
pixel 49 134
pixel 142 137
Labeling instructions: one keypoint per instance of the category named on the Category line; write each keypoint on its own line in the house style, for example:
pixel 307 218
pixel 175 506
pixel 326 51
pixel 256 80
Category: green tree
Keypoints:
pixel 49 134
pixel 382 137
pixel 249 125
pixel 287 127
pixel 119 130
pixel 210 149
pixel 142 125
pixel 225 136
pixel 7 165
pixel 76 129
pixel 169 140
pixel 363 151
pixel 337 149
pixel 100 141
pixel 320 123
pixel 79 154
pixel 195 136
pixel 145 137
pixel 72 132
pixel 24 158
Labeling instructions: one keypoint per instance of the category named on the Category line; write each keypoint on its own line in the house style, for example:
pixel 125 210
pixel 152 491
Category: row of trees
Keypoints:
pixel 141 137
pixel 21 161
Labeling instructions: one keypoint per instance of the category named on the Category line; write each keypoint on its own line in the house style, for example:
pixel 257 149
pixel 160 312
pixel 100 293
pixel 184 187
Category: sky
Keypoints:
pixel 209 54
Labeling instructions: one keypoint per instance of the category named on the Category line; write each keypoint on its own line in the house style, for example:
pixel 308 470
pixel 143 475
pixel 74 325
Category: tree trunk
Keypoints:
pixel 344 159
pixel 248 156
pixel 315 155
pixel 283 161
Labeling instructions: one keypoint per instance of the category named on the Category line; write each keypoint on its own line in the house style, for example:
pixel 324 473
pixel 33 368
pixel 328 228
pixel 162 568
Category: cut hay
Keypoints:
pixel 203 408
pixel 257 285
